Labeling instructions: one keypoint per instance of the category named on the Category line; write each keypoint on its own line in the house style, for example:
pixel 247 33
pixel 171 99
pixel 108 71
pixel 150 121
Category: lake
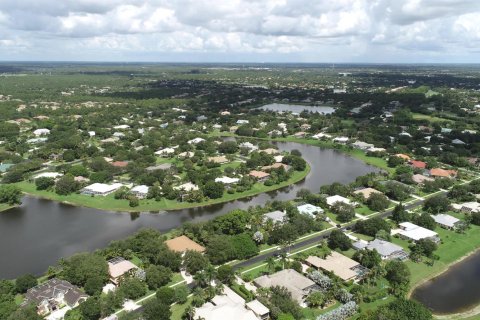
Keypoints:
pixel 454 291
pixel 39 232
pixel 281 107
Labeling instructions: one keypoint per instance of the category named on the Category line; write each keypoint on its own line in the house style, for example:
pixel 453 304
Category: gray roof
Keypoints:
pixel 295 283
pixel 51 289
pixel 164 166
pixel 445 220
pixel 384 248
pixel 275 216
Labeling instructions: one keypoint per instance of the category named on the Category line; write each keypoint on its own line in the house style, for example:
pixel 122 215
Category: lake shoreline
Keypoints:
pixel 475 310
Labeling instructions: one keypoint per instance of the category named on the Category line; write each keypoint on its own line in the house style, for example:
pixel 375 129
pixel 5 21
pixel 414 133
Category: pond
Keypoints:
pixel 38 233
pixel 281 107
pixel 454 291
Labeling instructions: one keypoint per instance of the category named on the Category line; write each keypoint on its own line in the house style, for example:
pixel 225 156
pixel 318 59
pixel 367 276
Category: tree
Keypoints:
pixel 94 285
pixel 244 245
pixel 398 275
pixel 425 220
pixel 156 310
pixel 81 266
pixel 368 258
pixel 425 247
pixel 132 288
pixel 399 214
pixel 90 309
pixel 316 299
pixel 213 190
pixel 226 274
pixel 194 261
pixel 436 204
pixel 220 249
pixel 371 226
pixel 157 276
pixel 344 211
pixel 338 239
pixel 400 309
pixel 26 313
pixel 44 183
pixel 66 185
pixel 25 282
pixel 378 202
pixel 166 295
pixel 181 294
pixel 10 194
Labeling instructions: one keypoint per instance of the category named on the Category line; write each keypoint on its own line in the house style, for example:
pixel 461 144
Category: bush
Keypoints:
pixel 25 282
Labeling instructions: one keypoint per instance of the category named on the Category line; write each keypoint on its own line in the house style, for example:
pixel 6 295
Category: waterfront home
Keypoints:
pixel 367 192
pixel 309 209
pixel 336 198
pixel 227 180
pixel 298 285
pixel 182 244
pixel 53 295
pixel 271 151
pixel 119 268
pixel 187 187
pixel 341 140
pixel 385 249
pixel 362 145
pixel 275 216
pixel 276 165
pixel 321 135
pixel 101 189
pixel 412 232
pixel 259 175
pixel 140 191
pixel 446 221
pixel 340 265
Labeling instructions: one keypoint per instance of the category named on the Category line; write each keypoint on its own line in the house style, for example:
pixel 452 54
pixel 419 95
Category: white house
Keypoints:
pixel 140 191
pixel 309 209
pixel 52 175
pixel 165 152
pixel 227 180
pixel 242 121
pixel 122 127
pixel 446 221
pixel 101 189
pixel 336 198
pixel 196 140
pixel 321 135
pixel 187 187
pixel 41 132
pixel 413 232
pixel 275 216
pixel 341 140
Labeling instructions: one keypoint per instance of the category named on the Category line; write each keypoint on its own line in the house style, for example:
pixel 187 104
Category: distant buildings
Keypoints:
pixel 101 189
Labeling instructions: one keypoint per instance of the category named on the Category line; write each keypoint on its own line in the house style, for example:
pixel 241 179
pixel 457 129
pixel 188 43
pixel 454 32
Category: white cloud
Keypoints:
pixel 321 30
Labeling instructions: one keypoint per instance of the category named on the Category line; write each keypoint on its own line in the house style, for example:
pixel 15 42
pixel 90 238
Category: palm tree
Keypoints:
pixel 201 279
pixel 283 259
pixel 271 264
pixel 210 273
pixel 189 313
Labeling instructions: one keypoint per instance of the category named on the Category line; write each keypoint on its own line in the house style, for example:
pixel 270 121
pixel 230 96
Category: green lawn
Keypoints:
pixel 5 206
pixel 179 309
pixel 110 203
pixel 421 116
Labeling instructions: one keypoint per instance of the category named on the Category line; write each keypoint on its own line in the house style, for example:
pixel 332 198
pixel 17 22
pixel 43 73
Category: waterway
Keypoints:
pixel 40 232
pixel 454 291
pixel 281 107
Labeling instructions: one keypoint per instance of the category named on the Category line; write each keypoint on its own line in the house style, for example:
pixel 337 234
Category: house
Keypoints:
pixel 121 127
pixel 185 155
pixel 300 134
pixel 420 178
pixel 196 141
pixel 340 265
pixel 101 189
pixel 276 165
pixel 41 132
pixel 275 216
pixel 163 166
pixel 233 129
pixel 227 180
pixel 298 285
pixel 367 192
pixel 227 305
pixel 458 142
pixel 5 166
pixel 240 121
pixel 182 244
pixel 340 140
pixel 52 295
pixel 52 175
pixel 309 209
pixel 403 156
pixel 412 232
pixel 140 191
pixel 165 152
pixel 321 135
pixel 187 187
pixel 442 173
pixel 336 198
pixel 225 113
pixel 119 164
pixel 467 207
pixel 118 268
pixel 305 126
pixel 387 250
pixel 362 145
pixel 259 309
pixel 417 164
pixel 248 146
pixel 218 160
pixel 270 151
pixel 259 175
pixel 119 134
pixel 446 221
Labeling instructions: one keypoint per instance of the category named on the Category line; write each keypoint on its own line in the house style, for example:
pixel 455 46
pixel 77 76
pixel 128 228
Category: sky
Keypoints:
pixel 339 31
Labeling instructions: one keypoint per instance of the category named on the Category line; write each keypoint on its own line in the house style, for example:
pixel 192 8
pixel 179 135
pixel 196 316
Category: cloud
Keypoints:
pixel 321 30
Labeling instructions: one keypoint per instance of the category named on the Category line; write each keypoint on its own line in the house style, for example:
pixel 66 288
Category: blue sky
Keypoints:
pixel 376 31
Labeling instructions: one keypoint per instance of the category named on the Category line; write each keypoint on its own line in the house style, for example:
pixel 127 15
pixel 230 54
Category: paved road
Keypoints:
pixel 316 239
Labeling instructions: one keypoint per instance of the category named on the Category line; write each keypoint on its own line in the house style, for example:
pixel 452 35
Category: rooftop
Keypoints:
pixel 337 263
pixel 182 244
pixel 288 278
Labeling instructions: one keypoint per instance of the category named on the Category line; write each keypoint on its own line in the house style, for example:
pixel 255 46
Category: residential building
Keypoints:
pixel 340 265
pixel 362 145
pixel 119 164
pixel 227 180
pixel 442 173
pixel 163 166
pixel 309 209
pixel 53 175
pixel 140 191
pixel 420 178
pixel 341 140
pixel 41 132
pixel 298 285
pixel 259 175
pixel 53 294
pixel 412 232
pixel 101 189
pixel 218 160
pixel 336 198
pixel 187 187
pixel 367 192
pixel 165 152
pixel 417 164
pixel 183 243
pixel 387 250
pixel 196 141
pixel 275 216
pixel 403 156
pixel 259 309
pixel 467 207
pixel 118 268
pixel 446 221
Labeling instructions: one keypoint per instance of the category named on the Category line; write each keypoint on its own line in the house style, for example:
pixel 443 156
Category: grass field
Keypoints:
pixel 110 203
pixel 420 116
pixel 5 206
